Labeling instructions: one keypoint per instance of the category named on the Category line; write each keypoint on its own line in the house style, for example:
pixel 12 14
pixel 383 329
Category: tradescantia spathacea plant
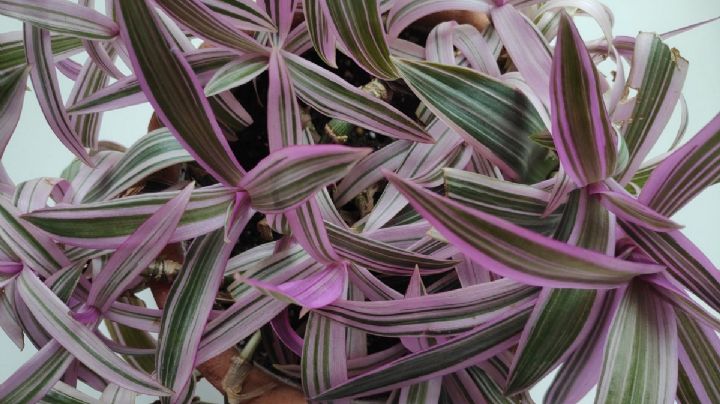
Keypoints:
pixel 378 200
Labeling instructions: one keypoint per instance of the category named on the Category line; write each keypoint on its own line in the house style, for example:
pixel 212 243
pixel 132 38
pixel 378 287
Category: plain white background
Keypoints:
pixel 35 152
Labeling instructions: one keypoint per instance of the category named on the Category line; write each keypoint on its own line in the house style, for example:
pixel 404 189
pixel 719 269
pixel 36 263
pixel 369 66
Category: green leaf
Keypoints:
pixel 175 93
pixel 640 363
pixel 188 306
pixel 359 26
pixel 658 73
pixel 520 204
pixel 494 118
pixel 236 73
pixel 151 153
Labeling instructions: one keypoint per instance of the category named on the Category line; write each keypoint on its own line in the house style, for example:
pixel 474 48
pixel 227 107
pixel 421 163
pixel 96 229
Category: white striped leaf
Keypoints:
pixel 519 204
pixel 405 12
pixel 12 49
pixel 334 97
pixel 359 26
pixel 451 312
pixel 699 352
pixel 12 94
pixel 322 32
pixel 640 363
pixel 114 394
pixel 527 48
pixel 252 309
pixel 494 118
pixel 188 306
pixel 107 224
pixel 246 14
pixel 381 257
pixel 79 340
pixel 137 252
pixel 62 393
pixel 515 252
pixel 34 248
pixel 126 91
pixel 582 131
pixel 441 359
pixel 658 73
pixel 47 90
pixel 91 79
pixel 368 171
pixel 324 358
pixel 151 153
pixel 236 73
pixel 683 259
pixel 61 16
pixel 201 21
pixel 37 376
pixel 175 92
pixel 685 173
pixel 581 370
pixel 283 111
pixel 564 316
pixel 289 176
pixel 421 158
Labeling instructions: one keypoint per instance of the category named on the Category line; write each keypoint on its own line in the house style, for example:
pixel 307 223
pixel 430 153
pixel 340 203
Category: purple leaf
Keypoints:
pixel 582 131
pixel 515 252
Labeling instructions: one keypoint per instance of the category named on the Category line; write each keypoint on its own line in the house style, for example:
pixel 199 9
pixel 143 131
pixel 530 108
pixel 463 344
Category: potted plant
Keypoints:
pixel 385 201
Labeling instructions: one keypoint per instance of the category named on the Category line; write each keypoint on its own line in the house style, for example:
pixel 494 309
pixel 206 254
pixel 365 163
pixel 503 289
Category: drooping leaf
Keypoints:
pixel 658 73
pixel 188 306
pixel 36 376
pixel 615 199
pixel 12 49
pixel 581 370
pixel 47 90
pixel 321 30
pixel 684 173
pixel 61 16
pixel 126 91
pixel 683 259
pixel 699 351
pixel 324 358
pixel 34 248
pixel 527 48
pixel 359 27
pixel 62 393
pixel 90 80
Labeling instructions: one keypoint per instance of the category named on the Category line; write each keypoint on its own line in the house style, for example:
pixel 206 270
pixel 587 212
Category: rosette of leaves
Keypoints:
pixel 491 216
